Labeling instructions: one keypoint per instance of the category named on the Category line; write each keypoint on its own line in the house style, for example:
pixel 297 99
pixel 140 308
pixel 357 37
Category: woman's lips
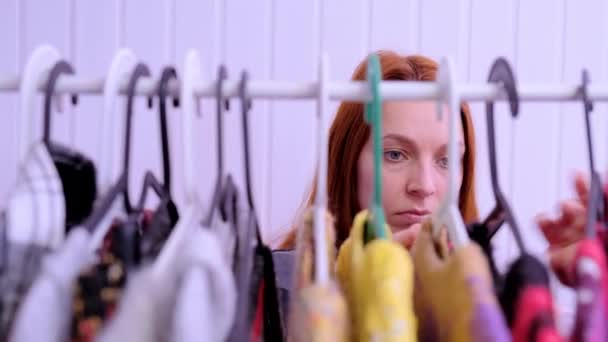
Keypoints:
pixel 409 217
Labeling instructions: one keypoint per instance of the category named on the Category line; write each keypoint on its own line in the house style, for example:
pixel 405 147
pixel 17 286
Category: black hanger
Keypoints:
pixel 129 237
pixel 252 255
pixel 218 193
pixel 60 68
pixel 121 186
pixel 501 73
pixel 246 105
pixel 141 70
pixel 77 172
pixel 165 216
pixel 150 181
pixel 595 206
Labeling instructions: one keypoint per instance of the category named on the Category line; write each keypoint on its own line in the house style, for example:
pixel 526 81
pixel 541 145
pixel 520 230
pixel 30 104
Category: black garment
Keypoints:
pixel 527 270
pixel 480 234
pixel 256 269
pixel 273 325
pixel 156 229
pixel 284 262
pixel 78 178
pixel 245 279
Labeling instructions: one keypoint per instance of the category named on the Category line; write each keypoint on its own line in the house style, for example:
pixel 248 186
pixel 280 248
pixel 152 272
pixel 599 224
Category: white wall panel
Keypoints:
pixel 9 64
pixel 345 36
pixel 395 25
pixel 539 59
pixel 47 22
pixel 280 40
pixel 444 34
pixel 583 19
pixel 295 58
pixel 248 45
pixel 94 43
pixel 492 35
pixel 144 34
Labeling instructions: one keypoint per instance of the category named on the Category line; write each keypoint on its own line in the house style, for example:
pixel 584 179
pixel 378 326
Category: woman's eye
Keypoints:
pixel 443 162
pixel 394 155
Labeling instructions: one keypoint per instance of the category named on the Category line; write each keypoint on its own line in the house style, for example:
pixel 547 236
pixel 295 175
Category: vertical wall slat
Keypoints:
pixel 388 28
pixel 491 36
pixel 10 36
pixel 47 22
pixel 601 109
pixel 94 50
pixel 70 56
pixel 248 39
pixel 295 55
pixel 144 32
pixel 583 20
pixel 539 59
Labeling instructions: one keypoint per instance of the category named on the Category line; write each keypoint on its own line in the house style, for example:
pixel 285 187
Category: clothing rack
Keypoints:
pixel 341 91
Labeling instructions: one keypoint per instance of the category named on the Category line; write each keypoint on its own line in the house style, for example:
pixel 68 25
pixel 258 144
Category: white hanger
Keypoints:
pixel 448 214
pixel 320 205
pixel 122 66
pixel 190 107
pixel 36 71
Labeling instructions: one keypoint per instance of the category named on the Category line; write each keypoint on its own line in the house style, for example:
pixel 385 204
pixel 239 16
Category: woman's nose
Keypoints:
pixel 420 181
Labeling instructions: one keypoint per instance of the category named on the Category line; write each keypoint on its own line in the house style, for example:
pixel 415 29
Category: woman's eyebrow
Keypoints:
pixel 401 139
pixel 460 145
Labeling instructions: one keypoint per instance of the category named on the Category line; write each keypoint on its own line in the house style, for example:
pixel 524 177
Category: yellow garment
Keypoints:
pixel 449 288
pixel 317 313
pixel 377 278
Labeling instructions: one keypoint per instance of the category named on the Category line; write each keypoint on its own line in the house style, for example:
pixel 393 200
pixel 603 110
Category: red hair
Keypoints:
pixel 348 135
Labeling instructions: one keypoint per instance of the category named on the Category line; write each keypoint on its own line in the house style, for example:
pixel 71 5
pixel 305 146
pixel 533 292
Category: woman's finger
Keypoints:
pixel 581 185
pixel 568 227
pixel 407 236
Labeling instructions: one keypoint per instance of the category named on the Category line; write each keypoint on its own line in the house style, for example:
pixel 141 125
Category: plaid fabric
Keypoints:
pixel 32 223
pixel 36 208
pixel 20 265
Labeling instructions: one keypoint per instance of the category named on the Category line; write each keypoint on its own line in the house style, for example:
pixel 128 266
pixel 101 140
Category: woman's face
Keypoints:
pixel 414 164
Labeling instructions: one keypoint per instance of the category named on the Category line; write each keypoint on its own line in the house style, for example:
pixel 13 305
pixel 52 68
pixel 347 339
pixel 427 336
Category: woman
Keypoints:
pixel 415 165
pixel 414 172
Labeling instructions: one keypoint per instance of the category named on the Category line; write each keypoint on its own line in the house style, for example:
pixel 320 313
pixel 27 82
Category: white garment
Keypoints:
pixel 206 303
pixel 195 301
pixel 36 207
pixel 45 313
pixel 144 312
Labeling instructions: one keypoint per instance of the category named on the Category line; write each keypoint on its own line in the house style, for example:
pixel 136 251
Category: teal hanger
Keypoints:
pixel 373 116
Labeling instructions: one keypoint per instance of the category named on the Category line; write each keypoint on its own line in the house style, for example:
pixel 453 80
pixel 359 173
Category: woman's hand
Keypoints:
pixel 407 237
pixel 565 231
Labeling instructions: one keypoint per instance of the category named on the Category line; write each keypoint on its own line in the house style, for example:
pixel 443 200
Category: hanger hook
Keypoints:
pixel 502 74
pixel 588 108
pixel 246 105
pixel 60 68
pixel 167 74
pixel 141 70
pixel 595 206
pixel 373 116
pixel 222 104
